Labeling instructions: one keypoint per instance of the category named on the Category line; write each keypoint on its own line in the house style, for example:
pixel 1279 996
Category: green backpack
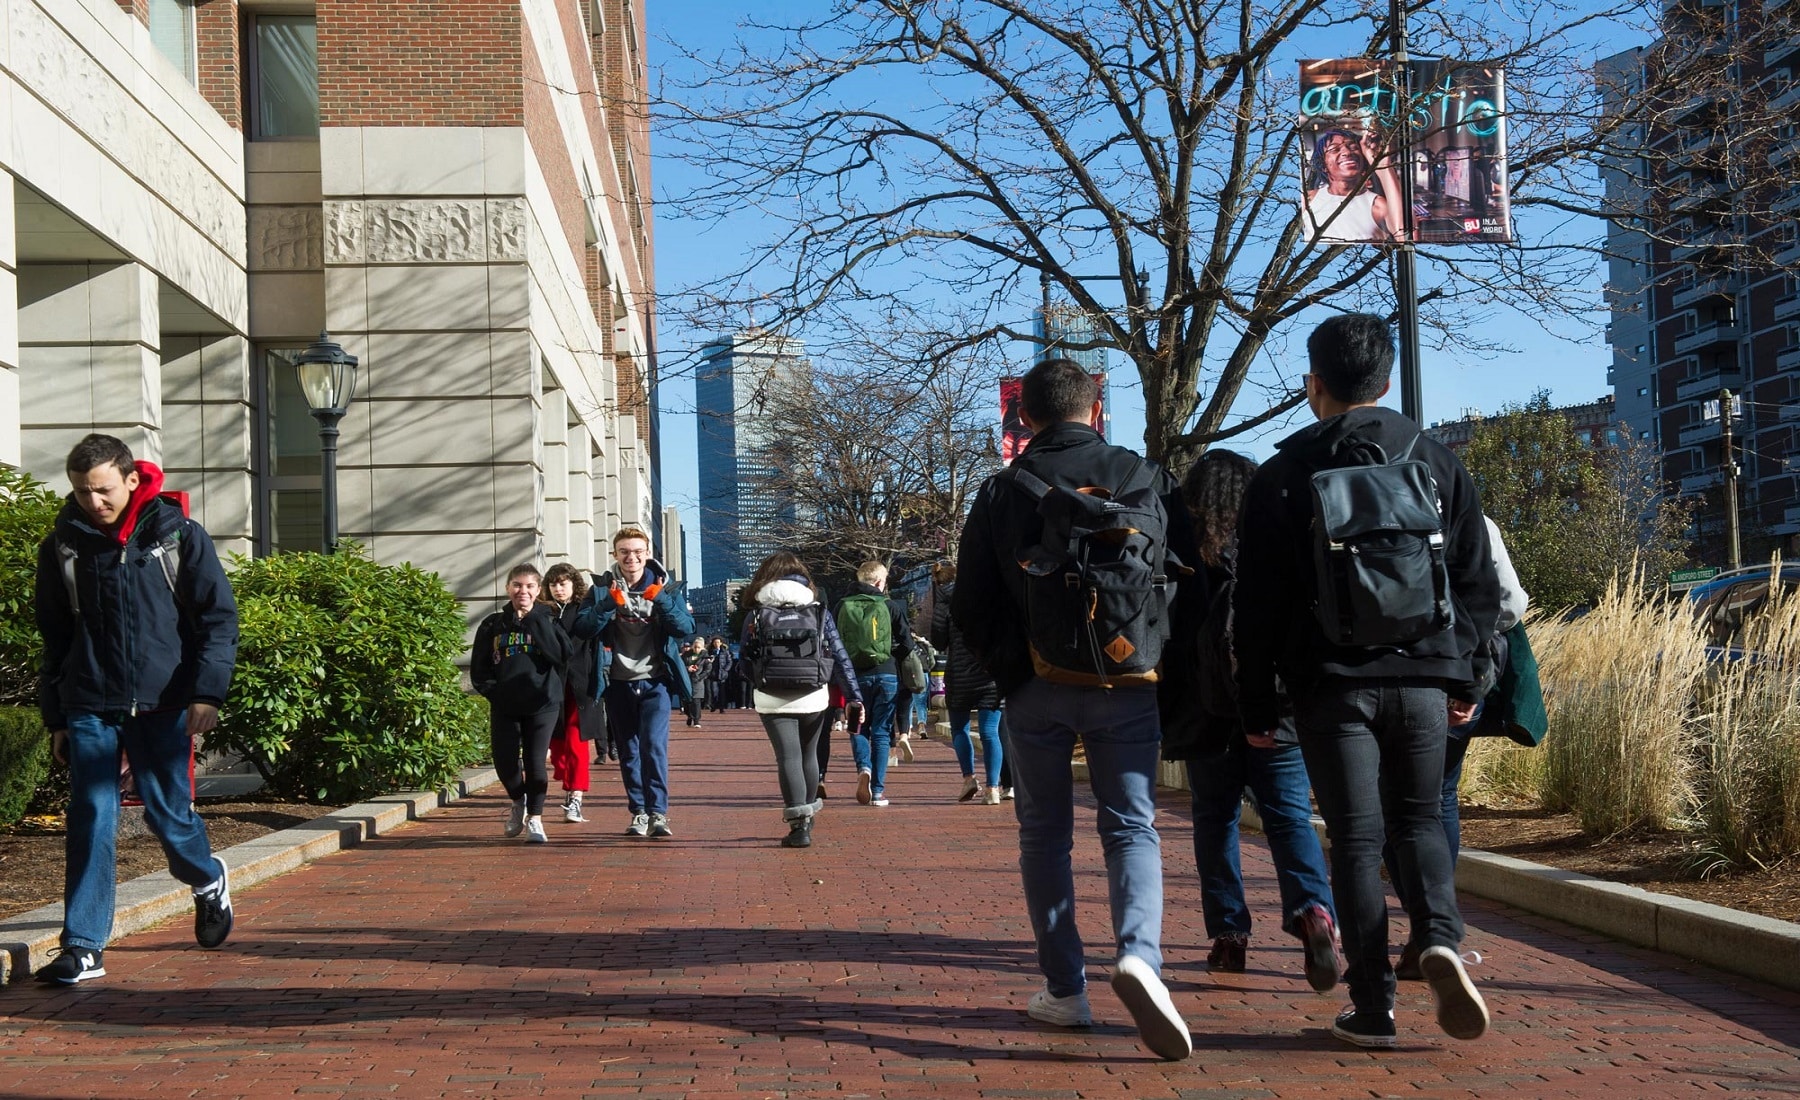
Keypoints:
pixel 867 630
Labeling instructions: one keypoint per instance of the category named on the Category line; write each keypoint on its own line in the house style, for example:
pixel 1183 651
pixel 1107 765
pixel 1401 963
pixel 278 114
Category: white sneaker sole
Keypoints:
pixel 1144 995
pixel 1460 1010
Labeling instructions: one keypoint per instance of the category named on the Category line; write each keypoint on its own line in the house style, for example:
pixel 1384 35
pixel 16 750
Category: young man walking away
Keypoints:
pixel 642 616
pixel 518 665
pixel 1048 709
pixel 875 634
pixel 140 638
pixel 1371 618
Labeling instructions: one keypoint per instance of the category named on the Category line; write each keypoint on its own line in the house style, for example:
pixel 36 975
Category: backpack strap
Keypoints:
pixel 1028 481
pixel 67 555
pixel 168 555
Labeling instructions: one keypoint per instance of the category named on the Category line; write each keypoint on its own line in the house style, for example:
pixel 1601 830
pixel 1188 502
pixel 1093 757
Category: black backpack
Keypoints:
pixel 1378 551
pixel 786 648
pixel 1097 590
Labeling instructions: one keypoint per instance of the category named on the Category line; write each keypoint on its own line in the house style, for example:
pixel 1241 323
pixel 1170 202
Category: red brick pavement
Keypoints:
pixel 891 959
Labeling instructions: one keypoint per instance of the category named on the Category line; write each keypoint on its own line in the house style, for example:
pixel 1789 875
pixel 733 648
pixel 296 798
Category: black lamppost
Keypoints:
pixel 328 379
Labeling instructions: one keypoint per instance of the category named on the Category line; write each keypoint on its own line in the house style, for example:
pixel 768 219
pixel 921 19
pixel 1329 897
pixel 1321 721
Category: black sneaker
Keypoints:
pixel 212 910
pixel 1366 1029
pixel 71 965
pixel 1227 955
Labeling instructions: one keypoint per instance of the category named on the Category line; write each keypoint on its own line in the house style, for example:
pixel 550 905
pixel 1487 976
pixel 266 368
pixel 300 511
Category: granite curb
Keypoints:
pixel 1747 944
pixel 28 940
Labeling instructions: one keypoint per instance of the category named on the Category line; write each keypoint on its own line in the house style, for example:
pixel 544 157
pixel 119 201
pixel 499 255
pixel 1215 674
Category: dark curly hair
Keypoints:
pixel 563 571
pixel 1213 491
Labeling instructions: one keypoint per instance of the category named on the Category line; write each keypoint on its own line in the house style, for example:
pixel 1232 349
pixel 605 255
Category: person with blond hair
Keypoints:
pixel 877 638
pixel 641 615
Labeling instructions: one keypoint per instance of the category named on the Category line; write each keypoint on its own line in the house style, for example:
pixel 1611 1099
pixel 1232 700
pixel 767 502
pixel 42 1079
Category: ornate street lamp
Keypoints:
pixel 328 379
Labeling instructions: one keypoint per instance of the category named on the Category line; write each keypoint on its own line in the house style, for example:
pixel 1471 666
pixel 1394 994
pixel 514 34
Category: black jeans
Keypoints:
pixel 1375 752
pixel 514 735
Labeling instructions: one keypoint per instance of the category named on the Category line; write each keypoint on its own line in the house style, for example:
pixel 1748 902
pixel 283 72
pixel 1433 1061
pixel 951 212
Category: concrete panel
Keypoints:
pixel 225 501
pixel 557 537
pixel 418 160
pixel 56 385
pixel 127 384
pixel 11 451
pixel 449 499
pixel 512 364
pixel 509 296
pixel 428 364
pixel 419 297
pixel 1743 943
pixel 424 432
pixel 346 300
pixel 503 160
pixel 1622 912
pixel 288 305
pixel 226 429
pixel 9 319
pixel 181 377
pixel 224 369
pixel 9 242
pixel 54 303
pixel 341 160
pixel 468 564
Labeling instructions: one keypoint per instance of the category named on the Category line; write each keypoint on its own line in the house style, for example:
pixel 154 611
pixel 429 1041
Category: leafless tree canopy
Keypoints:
pixel 909 153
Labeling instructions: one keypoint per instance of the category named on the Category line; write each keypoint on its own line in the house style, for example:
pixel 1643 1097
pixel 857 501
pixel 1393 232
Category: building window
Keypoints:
pixel 1643 435
pixel 290 516
pixel 1643 391
pixel 283 75
pixel 172 33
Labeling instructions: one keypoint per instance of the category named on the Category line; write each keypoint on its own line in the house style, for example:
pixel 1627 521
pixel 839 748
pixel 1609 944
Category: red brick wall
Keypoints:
pixel 219 44
pixel 419 63
pixel 545 134
pixel 139 9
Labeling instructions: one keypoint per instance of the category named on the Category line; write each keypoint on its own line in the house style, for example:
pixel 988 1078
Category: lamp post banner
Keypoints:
pixel 1353 148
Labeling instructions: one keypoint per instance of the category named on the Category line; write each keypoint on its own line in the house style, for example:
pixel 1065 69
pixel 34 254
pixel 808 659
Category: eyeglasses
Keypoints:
pixel 632 553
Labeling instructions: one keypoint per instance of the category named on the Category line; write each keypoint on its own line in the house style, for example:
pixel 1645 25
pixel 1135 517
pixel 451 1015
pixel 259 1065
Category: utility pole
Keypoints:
pixel 1730 469
pixel 1406 277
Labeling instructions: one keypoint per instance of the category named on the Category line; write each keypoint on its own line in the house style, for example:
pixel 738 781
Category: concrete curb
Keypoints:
pixel 1753 946
pixel 28 940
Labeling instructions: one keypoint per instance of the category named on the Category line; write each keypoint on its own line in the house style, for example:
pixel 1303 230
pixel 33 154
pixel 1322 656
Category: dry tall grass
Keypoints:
pixel 1750 787
pixel 1619 685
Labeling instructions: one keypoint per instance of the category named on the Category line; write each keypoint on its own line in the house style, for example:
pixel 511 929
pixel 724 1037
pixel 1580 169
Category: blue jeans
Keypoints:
pixel 1375 752
pixel 872 739
pixel 991 753
pixel 1123 736
pixel 158 747
pixel 1277 780
pixel 637 712
pixel 921 712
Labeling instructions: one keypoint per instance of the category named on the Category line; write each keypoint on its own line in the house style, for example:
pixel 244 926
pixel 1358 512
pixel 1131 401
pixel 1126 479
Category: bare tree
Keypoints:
pixel 907 153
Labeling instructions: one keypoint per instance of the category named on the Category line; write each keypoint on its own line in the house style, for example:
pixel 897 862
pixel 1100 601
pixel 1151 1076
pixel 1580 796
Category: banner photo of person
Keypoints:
pixel 1455 113
pixel 1013 432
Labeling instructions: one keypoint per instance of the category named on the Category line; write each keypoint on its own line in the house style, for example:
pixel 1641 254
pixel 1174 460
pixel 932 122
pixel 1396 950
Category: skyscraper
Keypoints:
pixel 741 511
pixel 1059 324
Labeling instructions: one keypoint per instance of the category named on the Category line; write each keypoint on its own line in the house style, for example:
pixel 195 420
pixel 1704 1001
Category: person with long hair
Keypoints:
pixel 583 718
pixel 1221 763
pixel 1342 202
pixel 794 707
pixel 968 688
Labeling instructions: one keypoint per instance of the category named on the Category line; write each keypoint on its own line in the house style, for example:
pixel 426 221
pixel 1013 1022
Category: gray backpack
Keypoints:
pixel 1378 551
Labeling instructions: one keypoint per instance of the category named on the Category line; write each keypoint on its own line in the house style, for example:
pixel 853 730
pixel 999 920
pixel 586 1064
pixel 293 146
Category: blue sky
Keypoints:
pixel 1570 361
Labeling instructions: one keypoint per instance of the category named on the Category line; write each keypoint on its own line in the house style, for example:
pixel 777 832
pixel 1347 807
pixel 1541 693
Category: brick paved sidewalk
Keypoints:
pixel 891 959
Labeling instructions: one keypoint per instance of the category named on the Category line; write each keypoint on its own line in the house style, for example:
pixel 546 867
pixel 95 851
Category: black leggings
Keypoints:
pixel 513 735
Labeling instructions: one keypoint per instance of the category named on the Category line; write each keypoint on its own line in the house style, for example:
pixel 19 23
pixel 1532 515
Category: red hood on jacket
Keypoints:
pixel 150 483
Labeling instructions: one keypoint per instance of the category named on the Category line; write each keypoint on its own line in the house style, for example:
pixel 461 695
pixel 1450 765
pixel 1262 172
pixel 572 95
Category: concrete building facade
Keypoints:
pixel 190 192
pixel 1704 291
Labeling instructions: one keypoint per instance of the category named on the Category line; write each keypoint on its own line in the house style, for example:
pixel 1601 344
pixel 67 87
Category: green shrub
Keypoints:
pixel 27 513
pixel 24 760
pixel 346 682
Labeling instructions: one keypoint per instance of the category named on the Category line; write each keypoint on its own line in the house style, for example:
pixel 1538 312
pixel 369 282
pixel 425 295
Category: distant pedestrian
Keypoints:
pixel 877 638
pixel 1003 614
pixel 1220 763
pixel 641 615
pixel 517 664
pixel 582 721
pixel 140 638
pixel 719 675
pixel 967 689
pixel 695 655
pixel 1378 650
pixel 791 645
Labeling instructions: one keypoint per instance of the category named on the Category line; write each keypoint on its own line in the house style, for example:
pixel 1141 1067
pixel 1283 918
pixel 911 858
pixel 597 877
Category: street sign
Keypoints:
pixel 1683 579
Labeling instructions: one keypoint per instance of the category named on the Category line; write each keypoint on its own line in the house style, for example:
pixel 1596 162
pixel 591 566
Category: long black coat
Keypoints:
pixel 967 685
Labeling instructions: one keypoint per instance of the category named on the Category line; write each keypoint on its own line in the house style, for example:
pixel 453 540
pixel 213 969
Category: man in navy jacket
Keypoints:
pixel 140 638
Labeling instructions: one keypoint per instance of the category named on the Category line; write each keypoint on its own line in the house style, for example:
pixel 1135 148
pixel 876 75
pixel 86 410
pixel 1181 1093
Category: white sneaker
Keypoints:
pixel 1160 1027
pixel 971 788
pixel 640 825
pixel 863 784
pixel 534 830
pixel 572 808
pixel 1460 1010
pixel 515 818
pixel 992 797
pixel 906 749
pixel 1006 794
pixel 1071 1011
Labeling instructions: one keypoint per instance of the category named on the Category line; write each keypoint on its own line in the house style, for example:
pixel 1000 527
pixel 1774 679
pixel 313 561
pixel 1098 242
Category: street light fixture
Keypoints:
pixel 328 379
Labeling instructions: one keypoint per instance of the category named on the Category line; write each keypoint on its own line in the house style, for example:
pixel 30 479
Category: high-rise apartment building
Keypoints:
pixel 191 191
pixel 1060 324
pixel 742 512
pixel 1703 287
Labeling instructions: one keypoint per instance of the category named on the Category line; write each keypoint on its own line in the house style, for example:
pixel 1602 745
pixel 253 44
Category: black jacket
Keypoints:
pixel 1275 631
pixel 585 674
pixel 901 630
pixel 967 685
pixel 989 601
pixel 518 661
pixel 135 645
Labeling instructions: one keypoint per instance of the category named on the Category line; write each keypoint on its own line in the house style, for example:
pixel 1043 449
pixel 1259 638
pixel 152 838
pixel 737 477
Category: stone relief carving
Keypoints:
pixel 286 238
pixel 390 231
pixel 93 101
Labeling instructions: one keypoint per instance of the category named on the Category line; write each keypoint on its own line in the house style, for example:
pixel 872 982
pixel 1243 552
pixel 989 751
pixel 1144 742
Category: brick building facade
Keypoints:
pixel 191 190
